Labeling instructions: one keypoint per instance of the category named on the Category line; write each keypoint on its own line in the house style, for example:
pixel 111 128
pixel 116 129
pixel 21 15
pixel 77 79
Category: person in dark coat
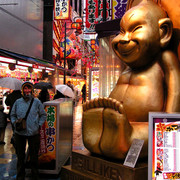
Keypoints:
pixel 44 95
pixel 10 100
pixel 83 90
pixel 3 124
pixel 70 85
pixel 59 95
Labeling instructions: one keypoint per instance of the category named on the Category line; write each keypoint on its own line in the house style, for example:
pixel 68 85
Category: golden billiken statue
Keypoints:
pixel 150 82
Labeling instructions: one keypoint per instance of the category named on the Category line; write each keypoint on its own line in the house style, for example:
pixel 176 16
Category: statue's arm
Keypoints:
pixel 171 67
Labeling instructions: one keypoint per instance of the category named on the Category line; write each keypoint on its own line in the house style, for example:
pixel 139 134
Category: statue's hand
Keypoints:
pixel 105 127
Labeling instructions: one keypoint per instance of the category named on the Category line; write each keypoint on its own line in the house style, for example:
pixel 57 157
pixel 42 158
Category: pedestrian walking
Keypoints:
pixel 34 121
pixel 3 124
pixel 58 95
pixel 10 99
pixel 70 85
pixel 44 95
pixel 83 90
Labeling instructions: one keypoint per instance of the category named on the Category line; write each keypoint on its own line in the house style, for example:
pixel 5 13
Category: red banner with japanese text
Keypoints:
pixel 100 10
pixel 91 14
pixel 94 13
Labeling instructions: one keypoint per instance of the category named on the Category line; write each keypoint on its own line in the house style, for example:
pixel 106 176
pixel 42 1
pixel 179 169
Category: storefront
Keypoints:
pixel 56 133
pixel 35 70
pixel 27 68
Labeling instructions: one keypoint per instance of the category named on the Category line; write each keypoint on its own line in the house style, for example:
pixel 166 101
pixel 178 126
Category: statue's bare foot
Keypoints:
pixel 105 127
pixel 92 127
pixel 116 136
pixel 103 103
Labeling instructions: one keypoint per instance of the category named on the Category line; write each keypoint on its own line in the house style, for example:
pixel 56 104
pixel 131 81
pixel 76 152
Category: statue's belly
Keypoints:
pixel 138 101
pixel 141 93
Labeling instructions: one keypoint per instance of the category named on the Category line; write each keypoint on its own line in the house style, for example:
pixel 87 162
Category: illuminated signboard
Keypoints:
pixel 95 84
pixel 164 146
pixel 48 133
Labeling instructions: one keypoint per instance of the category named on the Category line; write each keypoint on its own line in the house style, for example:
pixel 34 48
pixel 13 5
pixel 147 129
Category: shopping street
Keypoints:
pixel 8 157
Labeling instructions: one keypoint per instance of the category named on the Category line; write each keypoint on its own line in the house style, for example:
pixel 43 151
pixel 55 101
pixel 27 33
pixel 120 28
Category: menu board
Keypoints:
pixel 164 146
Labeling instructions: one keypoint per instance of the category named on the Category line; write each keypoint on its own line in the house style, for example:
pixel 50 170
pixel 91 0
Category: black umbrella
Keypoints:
pixel 42 85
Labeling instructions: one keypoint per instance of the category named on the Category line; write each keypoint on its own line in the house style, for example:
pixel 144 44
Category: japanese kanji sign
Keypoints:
pixel 94 13
pixel 48 133
pixel 61 9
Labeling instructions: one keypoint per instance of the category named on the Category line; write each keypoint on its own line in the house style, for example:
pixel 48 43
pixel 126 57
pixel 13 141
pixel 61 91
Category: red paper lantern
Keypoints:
pixel 73 25
pixel 12 67
pixel 78 27
pixel 79 20
pixel 30 69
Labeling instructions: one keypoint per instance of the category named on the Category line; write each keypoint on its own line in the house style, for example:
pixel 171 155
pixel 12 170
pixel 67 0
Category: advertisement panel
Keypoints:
pixel 48 134
pixel 94 83
pixel 164 146
pixel 61 9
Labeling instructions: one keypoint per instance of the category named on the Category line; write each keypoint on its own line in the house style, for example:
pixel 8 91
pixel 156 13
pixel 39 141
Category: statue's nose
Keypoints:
pixel 125 38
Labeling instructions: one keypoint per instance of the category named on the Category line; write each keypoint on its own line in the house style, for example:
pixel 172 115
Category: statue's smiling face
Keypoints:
pixel 139 37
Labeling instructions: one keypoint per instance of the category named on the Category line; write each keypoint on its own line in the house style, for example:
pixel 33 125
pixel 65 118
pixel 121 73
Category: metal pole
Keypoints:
pixel 65 55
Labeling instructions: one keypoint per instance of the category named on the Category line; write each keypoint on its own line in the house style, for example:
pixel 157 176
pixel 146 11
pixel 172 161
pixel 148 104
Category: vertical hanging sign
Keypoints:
pixel 91 14
pixel 100 10
pixel 61 9
pixel 94 13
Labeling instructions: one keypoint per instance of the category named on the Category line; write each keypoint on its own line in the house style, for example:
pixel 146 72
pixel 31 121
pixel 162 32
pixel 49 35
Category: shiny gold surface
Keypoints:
pixel 172 9
pixel 150 83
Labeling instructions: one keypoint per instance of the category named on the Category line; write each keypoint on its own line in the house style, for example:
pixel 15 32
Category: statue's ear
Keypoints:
pixel 165 28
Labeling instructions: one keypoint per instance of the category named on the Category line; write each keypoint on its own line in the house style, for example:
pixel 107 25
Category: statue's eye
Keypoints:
pixel 136 28
pixel 121 31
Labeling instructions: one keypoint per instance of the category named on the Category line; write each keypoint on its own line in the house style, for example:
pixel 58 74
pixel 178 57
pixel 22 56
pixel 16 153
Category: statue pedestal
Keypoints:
pixel 88 167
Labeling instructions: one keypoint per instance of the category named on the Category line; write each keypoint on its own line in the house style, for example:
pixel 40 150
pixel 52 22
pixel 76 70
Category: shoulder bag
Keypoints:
pixel 20 124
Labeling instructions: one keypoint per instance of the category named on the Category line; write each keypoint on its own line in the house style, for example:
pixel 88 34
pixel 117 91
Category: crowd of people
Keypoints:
pixel 24 104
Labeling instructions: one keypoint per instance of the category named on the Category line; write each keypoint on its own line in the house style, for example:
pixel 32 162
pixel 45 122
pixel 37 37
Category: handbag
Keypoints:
pixel 20 124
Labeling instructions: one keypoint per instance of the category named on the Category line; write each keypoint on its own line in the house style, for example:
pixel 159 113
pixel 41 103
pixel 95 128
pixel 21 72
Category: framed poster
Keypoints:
pixel 164 146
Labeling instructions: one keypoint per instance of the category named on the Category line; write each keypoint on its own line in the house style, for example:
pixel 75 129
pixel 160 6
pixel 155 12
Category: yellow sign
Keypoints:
pixel 61 9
